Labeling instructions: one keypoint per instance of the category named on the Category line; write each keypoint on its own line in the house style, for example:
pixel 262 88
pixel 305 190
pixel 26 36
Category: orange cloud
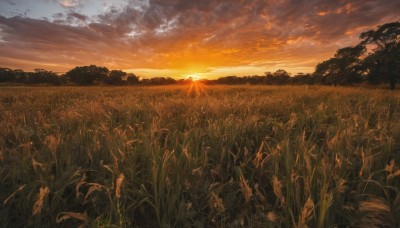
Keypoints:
pixel 179 37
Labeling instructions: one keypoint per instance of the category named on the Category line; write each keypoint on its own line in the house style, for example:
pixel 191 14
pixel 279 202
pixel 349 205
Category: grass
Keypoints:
pixel 174 156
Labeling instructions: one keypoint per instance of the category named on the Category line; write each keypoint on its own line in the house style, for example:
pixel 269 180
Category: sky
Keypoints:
pixel 184 38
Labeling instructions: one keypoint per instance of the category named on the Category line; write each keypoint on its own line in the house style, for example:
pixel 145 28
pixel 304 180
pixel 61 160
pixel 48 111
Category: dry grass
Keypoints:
pixel 252 156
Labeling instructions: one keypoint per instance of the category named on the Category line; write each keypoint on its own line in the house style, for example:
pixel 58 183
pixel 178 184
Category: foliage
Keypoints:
pixel 343 67
pixel 159 81
pixel 115 77
pixel 132 79
pixel 237 156
pixel 41 76
pixel 6 75
pixel 350 65
pixel 385 60
pixel 279 77
pixel 9 75
pixel 86 75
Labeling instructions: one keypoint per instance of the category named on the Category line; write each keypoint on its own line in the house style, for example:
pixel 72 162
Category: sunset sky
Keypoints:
pixel 183 38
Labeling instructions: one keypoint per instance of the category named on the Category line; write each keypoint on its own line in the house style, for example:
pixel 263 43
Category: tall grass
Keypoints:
pixel 222 157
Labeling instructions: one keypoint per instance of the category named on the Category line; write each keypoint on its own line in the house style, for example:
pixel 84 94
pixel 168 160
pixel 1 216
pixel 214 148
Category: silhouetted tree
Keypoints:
pixel 41 76
pixel 230 80
pixel 279 77
pixel 343 68
pixel 86 75
pixel 7 75
pixel 132 79
pixel 304 79
pixel 162 81
pixel 282 77
pixel 185 81
pixel 20 75
pixel 208 81
pixel 63 79
pixel 327 71
pixel 145 81
pixel 384 62
pixel 254 80
pixel 115 77
pixel 371 69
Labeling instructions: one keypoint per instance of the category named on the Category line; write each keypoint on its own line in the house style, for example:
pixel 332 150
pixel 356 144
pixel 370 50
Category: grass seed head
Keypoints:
pixel 277 186
pixel 217 203
pixel 51 142
pixel 306 213
pixel 118 184
pixel 271 217
pixel 37 207
pixel 246 190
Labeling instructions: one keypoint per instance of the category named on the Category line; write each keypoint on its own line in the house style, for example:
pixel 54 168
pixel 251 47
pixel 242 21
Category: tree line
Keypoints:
pixel 81 75
pixel 375 60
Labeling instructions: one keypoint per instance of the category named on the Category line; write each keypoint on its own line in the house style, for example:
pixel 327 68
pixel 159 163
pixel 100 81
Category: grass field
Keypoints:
pixel 181 156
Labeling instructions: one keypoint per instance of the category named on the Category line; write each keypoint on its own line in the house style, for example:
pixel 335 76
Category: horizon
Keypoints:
pixel 194 76
pixel 207 39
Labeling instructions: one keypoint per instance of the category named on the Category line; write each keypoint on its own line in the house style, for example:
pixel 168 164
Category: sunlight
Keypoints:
pixel 196 88
pixel 194 76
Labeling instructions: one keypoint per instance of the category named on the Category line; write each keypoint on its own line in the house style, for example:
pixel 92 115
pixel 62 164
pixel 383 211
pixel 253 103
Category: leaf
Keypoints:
pixel 13 194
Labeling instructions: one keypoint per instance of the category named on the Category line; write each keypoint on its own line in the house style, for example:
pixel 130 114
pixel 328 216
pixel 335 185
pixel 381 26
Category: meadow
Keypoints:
pixel 197 156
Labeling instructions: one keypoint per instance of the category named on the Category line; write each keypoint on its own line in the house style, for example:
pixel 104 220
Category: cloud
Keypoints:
pixel 186 36
pixel 11 2
pixel 78 16
pixel 70 3
pixel 140 5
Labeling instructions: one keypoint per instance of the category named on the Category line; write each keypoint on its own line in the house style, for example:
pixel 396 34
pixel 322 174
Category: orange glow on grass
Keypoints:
pixel 196 89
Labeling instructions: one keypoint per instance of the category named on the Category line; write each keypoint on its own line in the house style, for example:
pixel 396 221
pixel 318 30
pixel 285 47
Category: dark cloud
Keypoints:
pixel 78 16
pixel 11 2
pixel 180 33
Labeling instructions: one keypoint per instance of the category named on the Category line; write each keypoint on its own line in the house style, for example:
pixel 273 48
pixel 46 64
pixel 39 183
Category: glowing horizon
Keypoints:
pixel 179 38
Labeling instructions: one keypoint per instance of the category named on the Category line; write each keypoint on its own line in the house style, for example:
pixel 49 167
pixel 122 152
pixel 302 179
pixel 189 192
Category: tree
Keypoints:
pixel 41 76
pixel 303 79
pixel 279 77
pixel 372 68
pixel 115 77
pixel 343 68
pixel 20 75
pixel 7 75
pixel 230 80
pixel 186 81
pixel 132 79
pixel 162 81
pixel 255 80
pixel 385 60
pixel 347 60
pixel 86 75
pixel 282 77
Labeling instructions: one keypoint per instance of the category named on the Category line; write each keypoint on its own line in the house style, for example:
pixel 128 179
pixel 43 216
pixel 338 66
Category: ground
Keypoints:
pixel 195 155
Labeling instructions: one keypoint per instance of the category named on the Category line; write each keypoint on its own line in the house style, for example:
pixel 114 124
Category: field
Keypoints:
pixel 181 156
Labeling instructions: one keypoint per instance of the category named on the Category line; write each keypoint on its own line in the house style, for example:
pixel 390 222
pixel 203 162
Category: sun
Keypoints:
pixel 194 76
